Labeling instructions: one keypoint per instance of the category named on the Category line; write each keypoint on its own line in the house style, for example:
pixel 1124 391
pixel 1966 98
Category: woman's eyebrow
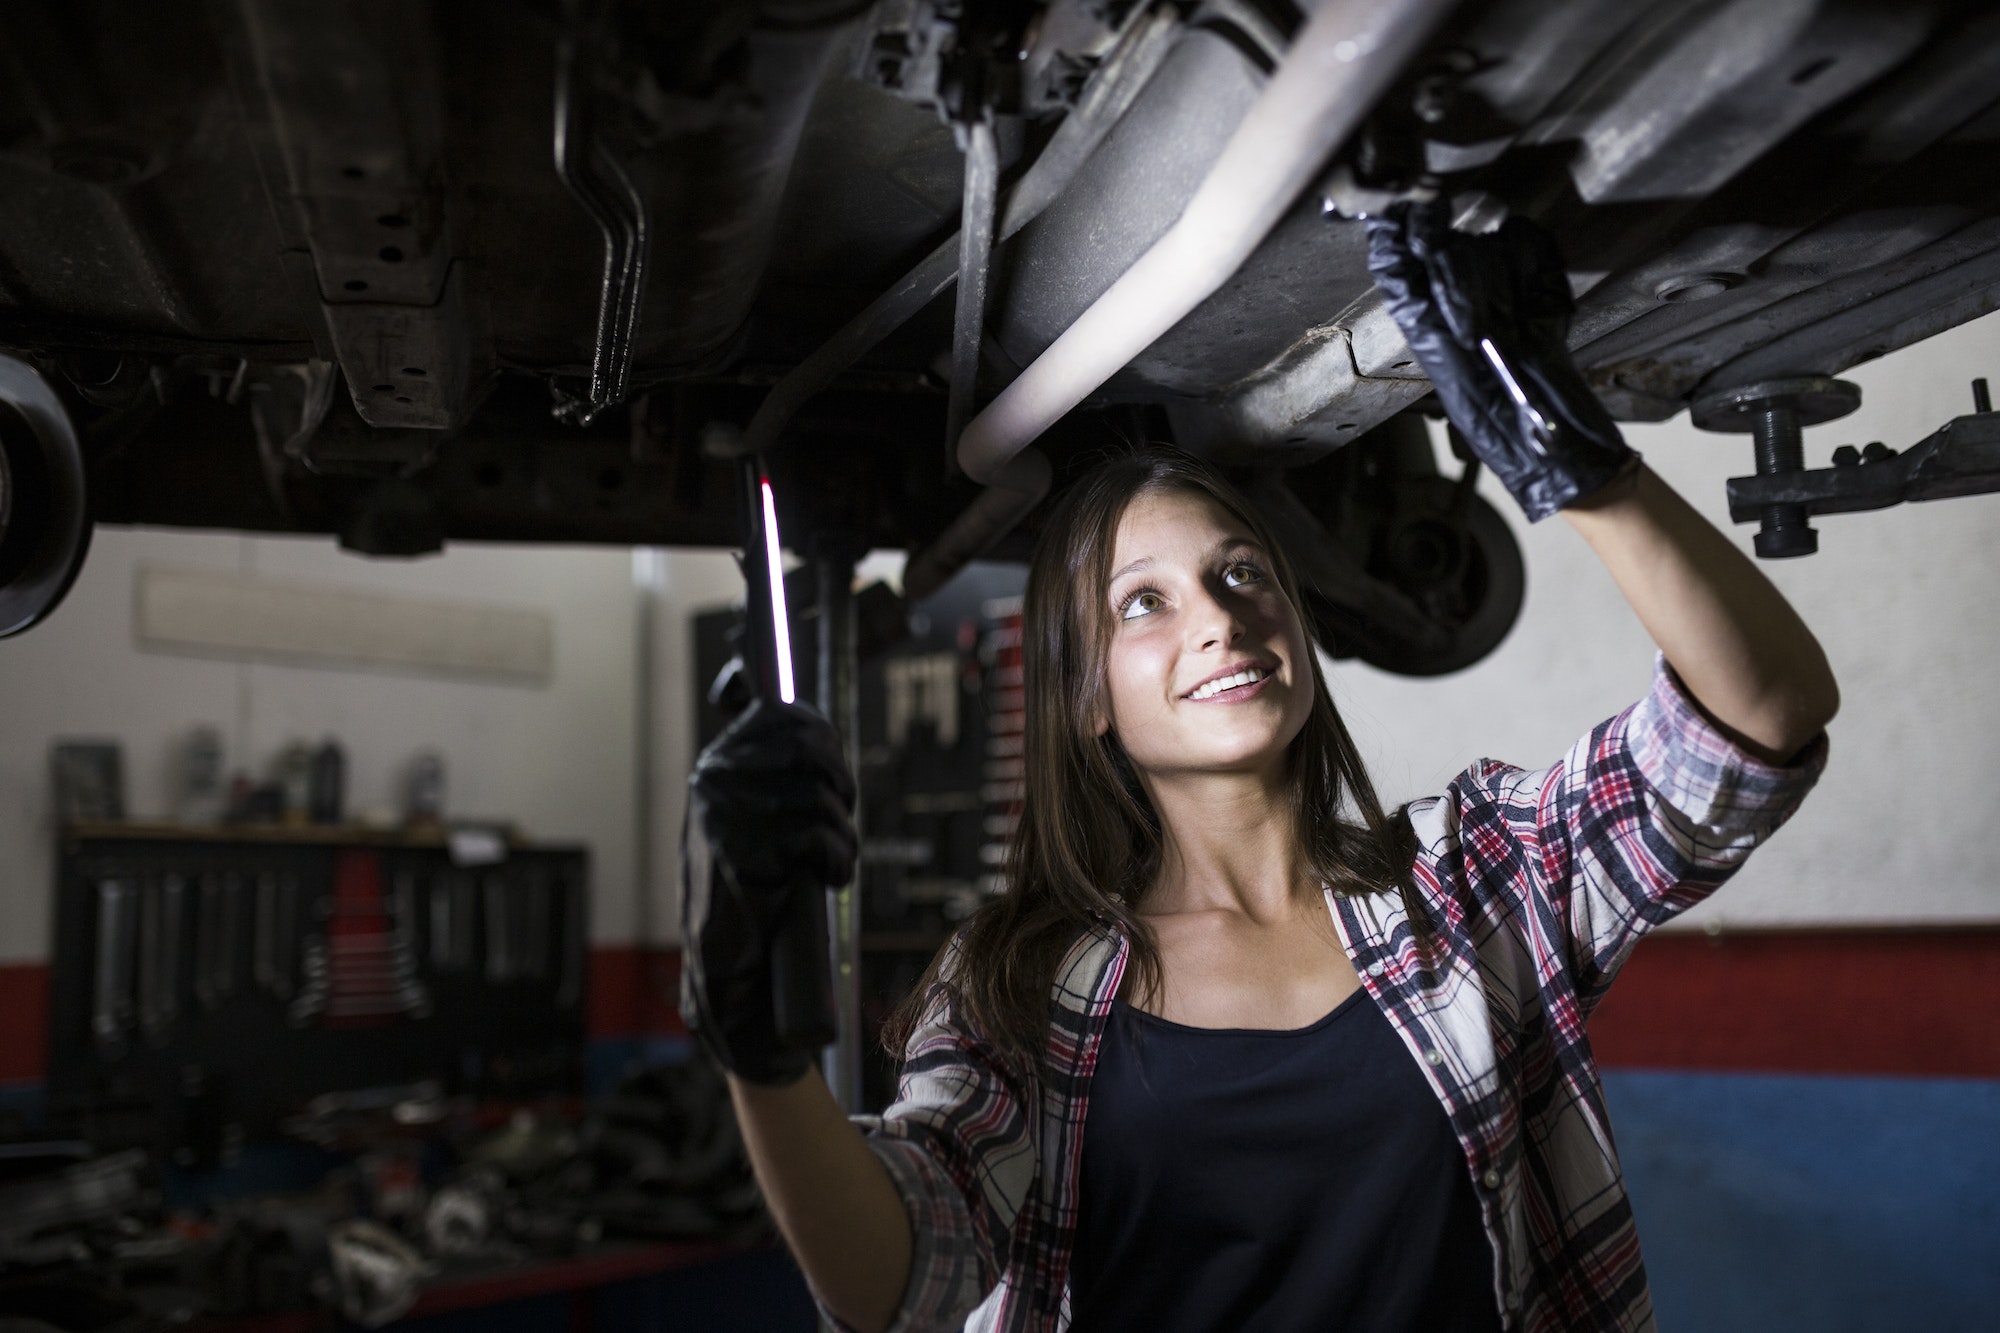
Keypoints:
pixel 1141 563
pixel 1225 546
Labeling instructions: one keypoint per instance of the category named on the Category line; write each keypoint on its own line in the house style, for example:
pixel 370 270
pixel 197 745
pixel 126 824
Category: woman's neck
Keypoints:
pixel 1230 842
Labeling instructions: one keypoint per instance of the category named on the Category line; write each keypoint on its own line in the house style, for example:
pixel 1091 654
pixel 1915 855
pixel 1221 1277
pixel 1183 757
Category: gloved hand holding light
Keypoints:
pixel 769 827
pixel 1488 319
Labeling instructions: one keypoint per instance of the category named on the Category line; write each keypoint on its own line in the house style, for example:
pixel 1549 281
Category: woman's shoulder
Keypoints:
pixel 1082 949
pixel 1084 969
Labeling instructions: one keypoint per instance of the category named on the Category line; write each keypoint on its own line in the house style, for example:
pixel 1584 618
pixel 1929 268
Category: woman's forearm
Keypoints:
pixel 1737 645
pixel 832 1198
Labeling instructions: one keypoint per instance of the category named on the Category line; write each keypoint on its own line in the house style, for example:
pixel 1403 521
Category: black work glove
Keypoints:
pixel 1465 301
pixel 768 817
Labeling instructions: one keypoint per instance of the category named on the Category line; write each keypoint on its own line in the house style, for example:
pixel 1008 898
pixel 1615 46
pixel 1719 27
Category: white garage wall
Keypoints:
pixel 1907 602
pixel 558 759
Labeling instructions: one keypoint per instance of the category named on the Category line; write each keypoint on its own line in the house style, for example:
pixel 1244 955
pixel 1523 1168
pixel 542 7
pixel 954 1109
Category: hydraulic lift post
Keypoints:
pixel 839 700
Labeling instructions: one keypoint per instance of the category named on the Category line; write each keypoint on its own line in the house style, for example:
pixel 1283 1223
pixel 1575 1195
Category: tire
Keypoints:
pixel 44 515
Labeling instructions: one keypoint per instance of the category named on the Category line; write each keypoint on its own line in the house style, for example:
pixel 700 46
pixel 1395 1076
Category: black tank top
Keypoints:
pixel 1245 1180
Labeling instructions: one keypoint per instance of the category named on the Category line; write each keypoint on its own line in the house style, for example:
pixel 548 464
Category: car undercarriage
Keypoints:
pixel 526 271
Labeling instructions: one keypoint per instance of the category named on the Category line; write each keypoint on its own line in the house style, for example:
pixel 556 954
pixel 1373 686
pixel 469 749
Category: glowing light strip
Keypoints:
pixel 779 620
pixel 1542 434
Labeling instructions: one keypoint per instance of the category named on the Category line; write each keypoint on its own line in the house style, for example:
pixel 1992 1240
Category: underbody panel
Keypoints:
pixel 519 270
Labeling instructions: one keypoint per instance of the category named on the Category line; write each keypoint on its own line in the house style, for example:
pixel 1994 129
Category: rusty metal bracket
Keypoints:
pixel 351 92
pixel 1773 412
pixel 1962 457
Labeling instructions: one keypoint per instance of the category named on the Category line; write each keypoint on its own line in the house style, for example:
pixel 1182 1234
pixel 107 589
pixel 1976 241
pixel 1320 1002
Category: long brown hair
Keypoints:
pixel 1089 842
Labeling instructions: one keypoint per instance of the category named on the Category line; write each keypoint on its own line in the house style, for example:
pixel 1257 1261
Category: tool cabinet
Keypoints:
pixel 209 982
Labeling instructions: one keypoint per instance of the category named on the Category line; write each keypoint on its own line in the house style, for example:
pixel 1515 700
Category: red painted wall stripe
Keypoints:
pixel 1919 1002
pixel 633 993
pixel 1891 1001
pixel 24 1022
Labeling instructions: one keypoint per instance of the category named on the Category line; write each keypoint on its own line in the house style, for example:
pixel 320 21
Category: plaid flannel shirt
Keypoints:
pixel 1537 884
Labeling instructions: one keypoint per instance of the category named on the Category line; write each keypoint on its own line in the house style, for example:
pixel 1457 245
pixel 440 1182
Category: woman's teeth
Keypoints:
pixel 1248 676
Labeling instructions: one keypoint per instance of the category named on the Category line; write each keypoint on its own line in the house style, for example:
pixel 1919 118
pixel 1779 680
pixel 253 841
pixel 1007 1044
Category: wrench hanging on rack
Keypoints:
pixel 111 985
pixel 162 904
pixel 275 935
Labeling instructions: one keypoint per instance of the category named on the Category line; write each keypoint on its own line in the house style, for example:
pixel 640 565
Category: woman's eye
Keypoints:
pixel 1238 575
pixel 1141 604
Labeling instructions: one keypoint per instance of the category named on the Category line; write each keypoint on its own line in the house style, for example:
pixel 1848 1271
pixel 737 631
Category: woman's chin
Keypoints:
pixel 1251 751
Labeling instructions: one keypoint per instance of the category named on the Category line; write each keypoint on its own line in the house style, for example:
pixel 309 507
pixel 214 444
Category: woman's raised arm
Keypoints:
pixel 1736 643
pixel 1488 319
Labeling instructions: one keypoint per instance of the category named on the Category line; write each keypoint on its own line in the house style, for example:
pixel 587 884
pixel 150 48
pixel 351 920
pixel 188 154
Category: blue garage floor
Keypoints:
pixel 755 1293
pixel 1814 1203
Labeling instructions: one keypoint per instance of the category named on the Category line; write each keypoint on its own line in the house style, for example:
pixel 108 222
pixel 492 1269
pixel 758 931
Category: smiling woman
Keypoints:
pixel 1156 582
pixel 1236 1049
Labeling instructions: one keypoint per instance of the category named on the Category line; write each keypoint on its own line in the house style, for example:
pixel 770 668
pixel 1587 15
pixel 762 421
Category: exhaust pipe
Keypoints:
pixel 1344 59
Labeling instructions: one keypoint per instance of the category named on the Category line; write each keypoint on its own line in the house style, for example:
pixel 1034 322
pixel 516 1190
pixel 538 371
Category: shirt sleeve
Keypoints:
pixel 1646 816
pixel 957 1145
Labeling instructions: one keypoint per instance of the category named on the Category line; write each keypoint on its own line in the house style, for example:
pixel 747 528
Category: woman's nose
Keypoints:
pixel 1216 624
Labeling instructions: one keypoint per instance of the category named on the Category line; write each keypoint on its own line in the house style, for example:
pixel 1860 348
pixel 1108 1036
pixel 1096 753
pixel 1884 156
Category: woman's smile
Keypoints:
pixel 1234 684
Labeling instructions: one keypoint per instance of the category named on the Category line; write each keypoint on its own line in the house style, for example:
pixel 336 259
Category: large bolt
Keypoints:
pixel 1774 412
pixel 1782 530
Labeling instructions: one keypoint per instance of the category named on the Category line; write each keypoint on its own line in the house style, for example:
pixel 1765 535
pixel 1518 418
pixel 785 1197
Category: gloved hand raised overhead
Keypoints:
pixel 1488 319
pixel 769 818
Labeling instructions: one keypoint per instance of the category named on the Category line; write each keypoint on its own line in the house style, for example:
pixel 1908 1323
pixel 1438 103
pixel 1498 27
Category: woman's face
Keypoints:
pixel 1206 670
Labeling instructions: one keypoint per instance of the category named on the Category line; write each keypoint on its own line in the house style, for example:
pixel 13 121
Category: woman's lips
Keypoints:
pixel 1238 693
pixel 1244 671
